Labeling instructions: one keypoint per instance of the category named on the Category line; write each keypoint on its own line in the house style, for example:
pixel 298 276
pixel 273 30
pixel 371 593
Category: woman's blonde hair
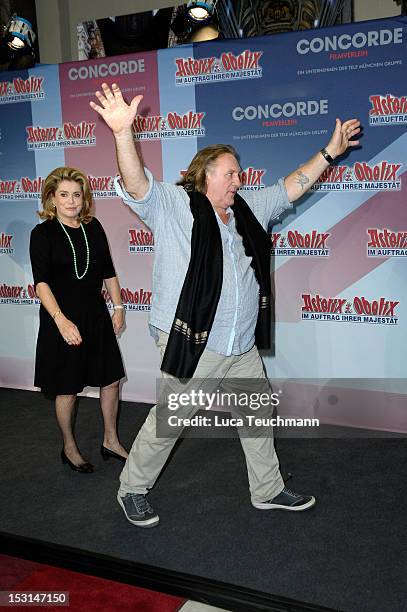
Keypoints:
pixel 194 178
pixel 51 184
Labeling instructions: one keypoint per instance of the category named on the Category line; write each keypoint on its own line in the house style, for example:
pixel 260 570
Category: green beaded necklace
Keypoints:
pixel 79 277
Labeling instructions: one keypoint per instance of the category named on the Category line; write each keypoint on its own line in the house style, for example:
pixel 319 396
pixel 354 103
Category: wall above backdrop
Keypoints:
pixel 198 21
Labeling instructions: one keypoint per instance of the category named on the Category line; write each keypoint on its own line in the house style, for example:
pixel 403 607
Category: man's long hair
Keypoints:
pixel 194 178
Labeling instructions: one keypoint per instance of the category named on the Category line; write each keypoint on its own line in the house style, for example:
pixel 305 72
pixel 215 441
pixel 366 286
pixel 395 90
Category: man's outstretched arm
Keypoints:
pixel 119 116
pixel 298 182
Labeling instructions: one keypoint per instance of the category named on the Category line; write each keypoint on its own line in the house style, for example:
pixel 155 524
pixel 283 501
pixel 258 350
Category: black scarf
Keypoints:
pixel 202 286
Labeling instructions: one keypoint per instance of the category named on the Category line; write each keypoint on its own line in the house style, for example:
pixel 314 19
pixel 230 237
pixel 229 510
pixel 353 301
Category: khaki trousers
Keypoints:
pixel 149 453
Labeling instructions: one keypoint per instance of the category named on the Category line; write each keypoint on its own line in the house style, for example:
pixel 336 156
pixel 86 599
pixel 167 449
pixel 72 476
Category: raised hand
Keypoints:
pixel 341 137
pixel 118 115
pixel 298 182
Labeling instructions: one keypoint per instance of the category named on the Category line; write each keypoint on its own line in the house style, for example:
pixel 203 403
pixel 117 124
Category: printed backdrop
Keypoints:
pixel 339 256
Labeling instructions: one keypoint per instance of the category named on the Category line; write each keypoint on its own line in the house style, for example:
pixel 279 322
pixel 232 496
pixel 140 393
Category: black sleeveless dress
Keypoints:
pixel 60 368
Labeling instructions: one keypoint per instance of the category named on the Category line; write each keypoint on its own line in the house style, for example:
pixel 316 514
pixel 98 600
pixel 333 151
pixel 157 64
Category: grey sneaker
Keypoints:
pixel 287 500
pixel 137 510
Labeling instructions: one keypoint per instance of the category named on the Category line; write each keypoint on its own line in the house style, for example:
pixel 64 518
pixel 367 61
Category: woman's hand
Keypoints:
pixel 118 320
pixel 68 330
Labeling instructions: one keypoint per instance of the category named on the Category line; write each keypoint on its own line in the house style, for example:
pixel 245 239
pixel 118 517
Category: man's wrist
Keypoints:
pixel 125 134
pixel 327 155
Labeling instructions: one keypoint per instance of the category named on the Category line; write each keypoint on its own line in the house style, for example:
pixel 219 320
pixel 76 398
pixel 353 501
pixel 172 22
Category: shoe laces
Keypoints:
pixel 141 503
pixel 286 490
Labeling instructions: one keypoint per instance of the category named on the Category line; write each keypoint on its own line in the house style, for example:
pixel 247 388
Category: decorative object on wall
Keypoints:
pixel 247 18
pixel 90 43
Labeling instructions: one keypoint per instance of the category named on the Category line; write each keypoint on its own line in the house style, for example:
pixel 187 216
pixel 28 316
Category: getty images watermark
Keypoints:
pixel 211 408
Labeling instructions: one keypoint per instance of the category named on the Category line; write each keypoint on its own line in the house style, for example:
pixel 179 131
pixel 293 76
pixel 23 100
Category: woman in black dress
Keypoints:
pixel 76 343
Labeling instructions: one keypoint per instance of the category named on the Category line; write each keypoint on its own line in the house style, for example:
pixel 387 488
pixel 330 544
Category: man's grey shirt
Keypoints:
pixel 165 210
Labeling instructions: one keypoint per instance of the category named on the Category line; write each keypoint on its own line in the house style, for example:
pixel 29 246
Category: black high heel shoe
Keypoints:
pixel 106 454
pixel 83 468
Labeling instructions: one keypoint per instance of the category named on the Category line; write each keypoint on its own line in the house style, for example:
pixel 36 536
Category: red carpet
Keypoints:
pixel 85 592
